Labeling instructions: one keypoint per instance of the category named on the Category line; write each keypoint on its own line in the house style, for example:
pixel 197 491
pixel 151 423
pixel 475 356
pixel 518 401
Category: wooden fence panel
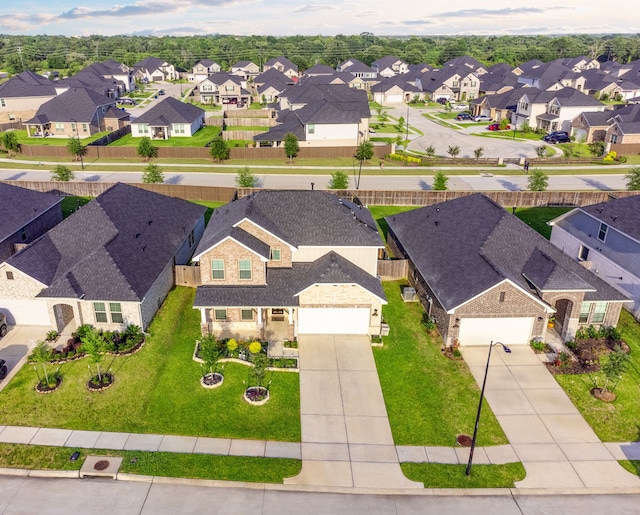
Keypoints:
pixel 184 275
pixel 626 149
pixel 249 113
pixel 393 269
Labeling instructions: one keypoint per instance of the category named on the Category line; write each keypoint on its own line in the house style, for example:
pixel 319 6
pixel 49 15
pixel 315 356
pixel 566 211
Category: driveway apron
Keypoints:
pixel 555 444
pixel 346 436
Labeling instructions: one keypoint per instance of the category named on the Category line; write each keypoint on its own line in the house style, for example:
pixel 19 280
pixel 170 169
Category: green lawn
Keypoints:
pixel 71 204
pixel 157 391
pixel 199 139
pixel 198 466
pixel 617 421
pixel 430 399
pixel 24 139
pixel 210 208
pixel 379 213
pixel 537 217
pixel 435 475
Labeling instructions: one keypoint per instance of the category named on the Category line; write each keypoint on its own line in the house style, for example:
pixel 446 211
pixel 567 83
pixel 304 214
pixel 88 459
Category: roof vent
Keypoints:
pixel 149 222
pixel 137 235
pixel 436 223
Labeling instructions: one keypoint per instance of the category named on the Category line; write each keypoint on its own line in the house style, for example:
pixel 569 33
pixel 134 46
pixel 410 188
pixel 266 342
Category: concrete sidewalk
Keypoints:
pixel 346 436
pixel 547 433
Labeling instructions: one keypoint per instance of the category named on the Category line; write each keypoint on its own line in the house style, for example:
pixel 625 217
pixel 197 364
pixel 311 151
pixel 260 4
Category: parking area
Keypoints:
pixel 16 345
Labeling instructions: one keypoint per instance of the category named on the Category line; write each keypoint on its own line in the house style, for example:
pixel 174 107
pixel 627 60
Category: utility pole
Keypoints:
pixel 21 59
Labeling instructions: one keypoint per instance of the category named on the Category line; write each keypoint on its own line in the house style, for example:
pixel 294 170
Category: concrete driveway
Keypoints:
pixel 16 345
pixel 346 436
pixel 555 444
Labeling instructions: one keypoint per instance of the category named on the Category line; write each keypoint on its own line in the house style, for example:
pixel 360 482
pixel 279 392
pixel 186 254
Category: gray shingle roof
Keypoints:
pixel 168 111
pixel 77 104
pixel 298 217
pixel 114 248
pixel 622 214
pixel 150 64
pixel 19 206
pixel 466 246
pixel 27 84
pixel 284 284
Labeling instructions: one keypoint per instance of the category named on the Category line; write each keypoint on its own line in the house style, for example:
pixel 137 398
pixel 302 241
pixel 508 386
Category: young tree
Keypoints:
pixel 147 149
pixel 61 173
pixel 614 368
pixel 400 125
pixel 538 180
pixel 633 179
pixel 245 179
pixel 94 345
pixel 440 181
pixel 503 124
pixel 152 174
pixel 364 152
pixel 259 371
pixel 76 148
pixel 41 355
pixel 339 180
pixel 210 352
pixel 291 147
pixel 597 148
pixel 542 151
pixel 219 149
pixel 453 151
pixel 430 151
pixel 10 143
pixel 478 152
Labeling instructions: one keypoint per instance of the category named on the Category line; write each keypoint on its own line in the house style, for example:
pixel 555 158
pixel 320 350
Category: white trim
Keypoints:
pixel 610 227
pixel 340 284
pixel 262 258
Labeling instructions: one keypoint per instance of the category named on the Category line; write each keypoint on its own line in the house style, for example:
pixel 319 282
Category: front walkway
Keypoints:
pixel 346 436
pixel 16 345
pixel 553 441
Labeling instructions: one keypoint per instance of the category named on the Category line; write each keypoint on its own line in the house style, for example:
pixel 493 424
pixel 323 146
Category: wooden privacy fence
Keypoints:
pixel 249 113
pixel 184 275
pixel 393 269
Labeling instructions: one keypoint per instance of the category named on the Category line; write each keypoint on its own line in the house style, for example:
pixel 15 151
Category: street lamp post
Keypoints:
pixel 484 382
pixel 78 136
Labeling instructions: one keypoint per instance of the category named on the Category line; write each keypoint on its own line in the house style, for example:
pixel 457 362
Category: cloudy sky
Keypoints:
pixel 290 17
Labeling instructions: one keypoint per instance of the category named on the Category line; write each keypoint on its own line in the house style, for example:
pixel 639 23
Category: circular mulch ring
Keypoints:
pixel 213 380
pixel 93 385
pixel 101 465
pixel 464 440
pixel 603 395
pixel 256 395
pixel 45 389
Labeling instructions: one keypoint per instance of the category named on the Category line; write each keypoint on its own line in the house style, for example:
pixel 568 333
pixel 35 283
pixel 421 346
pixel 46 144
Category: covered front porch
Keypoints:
pixel 271 324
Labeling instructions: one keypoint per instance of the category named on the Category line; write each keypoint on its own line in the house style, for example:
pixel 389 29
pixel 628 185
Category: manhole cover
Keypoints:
pixel 101 465
pixel 464 440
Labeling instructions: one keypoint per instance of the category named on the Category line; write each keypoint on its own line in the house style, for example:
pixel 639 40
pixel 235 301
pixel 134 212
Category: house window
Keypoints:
pixel 179 128
pixel 143 128
pixel 229 88
pixel 311 128
pixel 502 296
pixel 584 253
pixel 275 255
pixel 524 106
pixel 23 235
pixel 59 126
pixel 100 311
pixel 9 276
pixel 206 87
pixel 12 117
pixel 116 312
pixel 84 127
pixel 192 238
pixel 585 309
pixel 2 103
pixel 217 268
pixel 602 232
pixel 220 314
pixel 247 314
pixel 598 313
pixel 73 126
pixel 614 138
pixel 244 267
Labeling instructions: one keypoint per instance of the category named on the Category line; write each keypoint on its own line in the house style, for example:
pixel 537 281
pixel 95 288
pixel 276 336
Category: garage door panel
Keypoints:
pixel 333 321
pixel 25 312
pixel 481 331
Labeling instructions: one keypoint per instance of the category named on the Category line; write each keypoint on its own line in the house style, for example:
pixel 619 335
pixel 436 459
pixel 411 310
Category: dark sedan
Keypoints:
pixel 557 137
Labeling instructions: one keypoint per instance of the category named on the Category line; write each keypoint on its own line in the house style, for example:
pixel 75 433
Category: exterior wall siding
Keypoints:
pixel 231 252
pixel 364 257
pixel 21 286
pixel 273 242
pixel 156 295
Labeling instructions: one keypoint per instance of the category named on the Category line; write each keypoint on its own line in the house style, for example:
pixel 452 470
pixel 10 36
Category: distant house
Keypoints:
pixel 358 69
pixel 24 216
pixel 154 69
pixel 78 112
pixel 283 65
pixel 169 118
pixel 389 66
pixel 620 125
pixel 118 72
pixel 483 275
pixel 109 264
pixel 319 69
pixel 23 94
pixel 605 238
pixel 202 69
pixel 395 90
pixel 224 89
pixel 270 83
pixel 450 83
pixel 245 69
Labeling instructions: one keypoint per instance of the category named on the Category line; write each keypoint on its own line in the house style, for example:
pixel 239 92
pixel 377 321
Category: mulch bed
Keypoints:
pixel 587 354
pixel 94 385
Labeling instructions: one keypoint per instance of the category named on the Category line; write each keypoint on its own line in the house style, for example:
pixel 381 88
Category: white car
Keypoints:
pixel 460 107
pixel 482 118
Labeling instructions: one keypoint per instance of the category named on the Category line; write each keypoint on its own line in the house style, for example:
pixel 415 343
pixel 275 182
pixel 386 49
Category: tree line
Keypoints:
pixel 70 54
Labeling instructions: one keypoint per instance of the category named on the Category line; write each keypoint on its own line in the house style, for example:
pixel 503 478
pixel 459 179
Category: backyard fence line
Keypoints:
pixel 393 269
pixel 184 275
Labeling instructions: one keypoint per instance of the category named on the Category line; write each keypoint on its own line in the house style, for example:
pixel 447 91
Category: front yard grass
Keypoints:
pixel 434 475
pixel 430 399
pixel 196 466
pixel 617 421
pixel 199 139
pixel 157 391
pixel 537 217
pixel 24 139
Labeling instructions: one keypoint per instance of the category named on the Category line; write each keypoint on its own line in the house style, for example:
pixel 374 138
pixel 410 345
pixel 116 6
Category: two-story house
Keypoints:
pixel 450 83
pixel 23 94
pixel 202 69
pixel 283 65
pixel 155 69
pixel 118 72
pixel 605 238
pixel 245 69
pixel 224 89
pixel 389 66
pixel 278 264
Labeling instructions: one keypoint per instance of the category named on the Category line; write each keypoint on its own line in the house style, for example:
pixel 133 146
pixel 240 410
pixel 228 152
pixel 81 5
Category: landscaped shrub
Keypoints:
pixel 404 159
pixel 538 345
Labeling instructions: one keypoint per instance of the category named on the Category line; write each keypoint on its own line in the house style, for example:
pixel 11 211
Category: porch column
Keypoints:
pixel 203 316
pixel 290 316
pixel 259 317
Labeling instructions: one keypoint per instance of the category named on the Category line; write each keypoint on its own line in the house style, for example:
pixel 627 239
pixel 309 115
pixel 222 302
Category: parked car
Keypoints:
pixel 482 118
pixel 127 101
pixel 441 100
pixel 3 324
pixel 464 116
pixel 460 107
pixel 557 137
pixel 161 92
pixel 496 127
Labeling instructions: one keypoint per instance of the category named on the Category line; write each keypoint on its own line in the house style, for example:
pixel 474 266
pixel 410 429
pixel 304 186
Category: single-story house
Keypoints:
pixel 169 119
pixel 278 264
pixel 605 238
pixel 24 216
pixel 109 264
pixel 484 275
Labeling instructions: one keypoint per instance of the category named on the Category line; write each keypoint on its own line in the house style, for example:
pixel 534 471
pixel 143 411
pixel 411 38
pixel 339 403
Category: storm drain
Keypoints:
pixel 101 466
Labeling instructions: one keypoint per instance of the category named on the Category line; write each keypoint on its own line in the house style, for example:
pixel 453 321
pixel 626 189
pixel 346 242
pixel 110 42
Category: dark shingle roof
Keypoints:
pixel 466 246
pixel 169 111
pixel 114 248
pixel 77 104
pixel 150 64
pixel 19 206
pixel 622 214
pixel 27 84
pixel 298 217
pixel 285 284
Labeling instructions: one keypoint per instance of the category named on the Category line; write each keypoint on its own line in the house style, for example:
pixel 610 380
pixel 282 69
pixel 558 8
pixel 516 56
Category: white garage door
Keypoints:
pixel 394 99
pixel 25 312
pixel 333 321
pixel 481 331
